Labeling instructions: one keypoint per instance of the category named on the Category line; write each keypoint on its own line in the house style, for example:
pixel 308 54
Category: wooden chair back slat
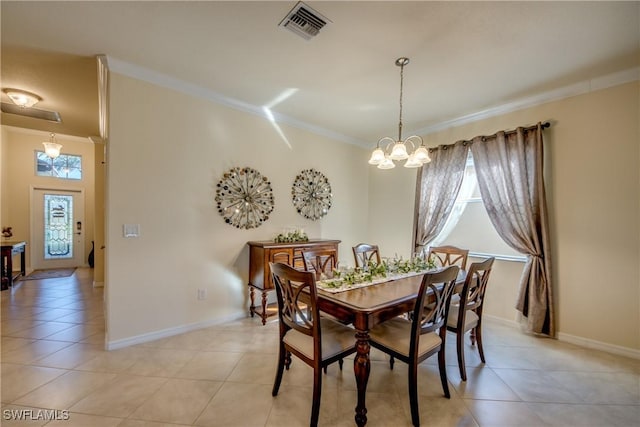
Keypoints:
pixel 449 255
pixel 320 261
pixel 364 252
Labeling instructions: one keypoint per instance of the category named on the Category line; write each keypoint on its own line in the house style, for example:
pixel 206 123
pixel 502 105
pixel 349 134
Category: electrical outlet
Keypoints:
pixel 202 294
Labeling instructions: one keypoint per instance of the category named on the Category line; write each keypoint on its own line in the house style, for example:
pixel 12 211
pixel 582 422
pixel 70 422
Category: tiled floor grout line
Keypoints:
pixel 500 368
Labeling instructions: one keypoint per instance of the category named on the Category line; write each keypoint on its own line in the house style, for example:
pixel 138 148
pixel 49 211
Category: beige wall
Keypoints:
pixel 166 153
pixel 18 148
pixel 99 225
pixel 593 189
pixel 3 179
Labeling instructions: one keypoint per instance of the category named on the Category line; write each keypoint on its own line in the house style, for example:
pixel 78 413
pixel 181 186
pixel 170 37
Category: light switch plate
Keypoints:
pixel 131 230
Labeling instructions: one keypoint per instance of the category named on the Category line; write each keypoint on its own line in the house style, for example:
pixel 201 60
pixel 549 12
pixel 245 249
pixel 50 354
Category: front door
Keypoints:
pixel 57 219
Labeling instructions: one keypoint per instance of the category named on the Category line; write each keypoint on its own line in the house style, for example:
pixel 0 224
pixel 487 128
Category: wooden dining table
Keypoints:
pixel 366 307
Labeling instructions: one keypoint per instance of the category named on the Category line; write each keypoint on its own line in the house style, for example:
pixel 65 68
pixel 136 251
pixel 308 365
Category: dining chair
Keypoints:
pixel 321 261
pixel 413 342
pixel 316 340
pixel 466 315
pixel 449 255
pixel 364 252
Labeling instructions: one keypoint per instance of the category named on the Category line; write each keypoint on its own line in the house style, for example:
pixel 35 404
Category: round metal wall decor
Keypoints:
pixel 311 194
pixel 244 197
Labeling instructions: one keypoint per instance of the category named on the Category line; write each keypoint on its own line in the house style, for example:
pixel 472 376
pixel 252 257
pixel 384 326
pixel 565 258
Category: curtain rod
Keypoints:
pixel 543 125
pixel 507 132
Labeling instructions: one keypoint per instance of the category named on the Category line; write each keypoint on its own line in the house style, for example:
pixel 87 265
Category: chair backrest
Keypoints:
pixel 320 261
pixel 294 313
pixel 364 252
pixel 475 285
pixel 449 255
pixel 433 316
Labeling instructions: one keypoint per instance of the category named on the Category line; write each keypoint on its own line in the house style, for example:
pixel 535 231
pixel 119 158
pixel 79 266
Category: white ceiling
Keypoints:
pixel 466 57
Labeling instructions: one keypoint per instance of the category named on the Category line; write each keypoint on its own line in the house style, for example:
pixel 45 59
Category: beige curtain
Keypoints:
pixel 436 190
pixel 509 167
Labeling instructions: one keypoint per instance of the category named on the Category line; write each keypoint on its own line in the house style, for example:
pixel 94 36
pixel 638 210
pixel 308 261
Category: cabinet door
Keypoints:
pixel 284 256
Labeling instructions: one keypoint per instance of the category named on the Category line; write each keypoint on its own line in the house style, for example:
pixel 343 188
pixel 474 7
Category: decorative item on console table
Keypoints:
pixel 6 232
pixel 7 275
pixel 261 253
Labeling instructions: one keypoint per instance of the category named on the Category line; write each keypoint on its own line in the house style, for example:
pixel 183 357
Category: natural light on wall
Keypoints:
pixel 287 93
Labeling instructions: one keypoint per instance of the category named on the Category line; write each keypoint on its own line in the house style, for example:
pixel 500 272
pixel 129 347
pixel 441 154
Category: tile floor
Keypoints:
pixel 53 358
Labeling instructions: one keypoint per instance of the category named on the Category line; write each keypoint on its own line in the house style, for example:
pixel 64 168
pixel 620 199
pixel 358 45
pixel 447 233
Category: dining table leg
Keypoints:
pixel 362 367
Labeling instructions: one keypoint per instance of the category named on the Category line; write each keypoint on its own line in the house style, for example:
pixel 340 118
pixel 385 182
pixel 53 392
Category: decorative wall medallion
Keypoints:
pixel 244 198
pixel 311 194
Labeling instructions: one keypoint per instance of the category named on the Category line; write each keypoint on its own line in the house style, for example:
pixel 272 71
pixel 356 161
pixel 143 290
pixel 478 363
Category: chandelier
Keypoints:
pixel 51 148
pixel 389 149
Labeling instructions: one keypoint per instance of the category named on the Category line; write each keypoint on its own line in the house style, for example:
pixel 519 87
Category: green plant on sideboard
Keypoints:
pixel 291 236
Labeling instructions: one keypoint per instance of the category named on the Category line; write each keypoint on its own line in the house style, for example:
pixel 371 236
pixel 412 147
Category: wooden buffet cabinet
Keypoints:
pixel 262 253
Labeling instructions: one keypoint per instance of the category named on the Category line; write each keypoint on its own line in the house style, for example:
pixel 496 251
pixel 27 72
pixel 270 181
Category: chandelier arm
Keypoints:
pixel 413 145
pixel 389 142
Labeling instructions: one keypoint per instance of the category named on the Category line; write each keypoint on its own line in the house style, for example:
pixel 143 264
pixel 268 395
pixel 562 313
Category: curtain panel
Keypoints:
pixel 437 187
pixel 509 168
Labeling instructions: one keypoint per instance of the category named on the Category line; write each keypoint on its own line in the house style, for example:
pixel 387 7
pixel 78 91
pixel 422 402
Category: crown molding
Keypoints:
pixel 576 89
pixel 580 88
pixel 163 80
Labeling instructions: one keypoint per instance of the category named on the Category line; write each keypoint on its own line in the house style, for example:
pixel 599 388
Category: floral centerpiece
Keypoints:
pixel 297 235
pixel 347 277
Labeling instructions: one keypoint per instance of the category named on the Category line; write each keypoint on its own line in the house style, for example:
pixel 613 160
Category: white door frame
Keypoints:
pixel 78 259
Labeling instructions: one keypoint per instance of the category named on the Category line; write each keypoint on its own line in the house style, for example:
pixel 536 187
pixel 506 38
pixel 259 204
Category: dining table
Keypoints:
pixel 365 306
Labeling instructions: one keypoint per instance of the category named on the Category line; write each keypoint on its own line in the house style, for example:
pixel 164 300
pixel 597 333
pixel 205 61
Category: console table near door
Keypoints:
pixel 9 249
pixel 261 253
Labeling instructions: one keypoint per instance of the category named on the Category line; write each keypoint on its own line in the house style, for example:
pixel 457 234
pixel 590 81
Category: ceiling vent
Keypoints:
pixel 304 21
pixel 52 116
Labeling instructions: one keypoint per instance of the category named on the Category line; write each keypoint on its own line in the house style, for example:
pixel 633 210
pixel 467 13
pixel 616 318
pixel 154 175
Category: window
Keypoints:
pixel 65 166
pixel 469 225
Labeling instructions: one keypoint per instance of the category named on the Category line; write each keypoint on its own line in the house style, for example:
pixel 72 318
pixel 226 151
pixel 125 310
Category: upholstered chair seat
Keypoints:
pixel 470 318
pixel 396 335
pixel 336 339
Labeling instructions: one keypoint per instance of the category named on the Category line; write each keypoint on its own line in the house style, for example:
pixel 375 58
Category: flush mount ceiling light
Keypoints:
pixel 397 149
pixel 22 98
pixel 51 148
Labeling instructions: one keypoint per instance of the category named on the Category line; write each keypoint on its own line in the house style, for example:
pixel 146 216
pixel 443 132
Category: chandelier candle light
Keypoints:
pixel 383 157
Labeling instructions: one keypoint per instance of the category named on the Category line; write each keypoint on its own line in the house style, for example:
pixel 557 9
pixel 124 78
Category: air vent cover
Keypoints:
pixel 52 116
pixel 304 21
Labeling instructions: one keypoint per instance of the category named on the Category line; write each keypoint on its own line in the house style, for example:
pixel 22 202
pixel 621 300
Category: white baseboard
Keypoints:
pixel 165 333
pixel 169 332
pixel 579 341
pixel 501 320
pixel 598 345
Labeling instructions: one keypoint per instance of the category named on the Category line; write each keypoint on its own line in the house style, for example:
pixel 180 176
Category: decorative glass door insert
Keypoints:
pixel 58 226
pixel 57 229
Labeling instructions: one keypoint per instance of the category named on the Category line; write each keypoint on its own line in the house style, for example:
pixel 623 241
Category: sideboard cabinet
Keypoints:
pixel 262 253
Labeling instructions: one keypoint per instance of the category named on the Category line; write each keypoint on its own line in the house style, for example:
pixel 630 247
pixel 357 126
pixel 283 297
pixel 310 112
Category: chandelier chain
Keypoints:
pixel 401 90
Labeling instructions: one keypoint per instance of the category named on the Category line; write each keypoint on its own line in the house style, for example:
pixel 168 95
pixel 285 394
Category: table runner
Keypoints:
pixel 326 286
